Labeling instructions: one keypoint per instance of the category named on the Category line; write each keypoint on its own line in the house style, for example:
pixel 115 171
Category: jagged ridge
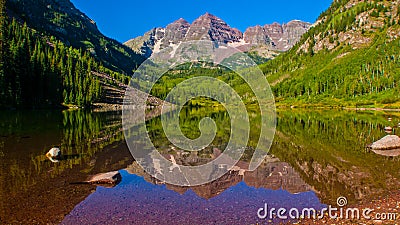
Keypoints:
pixel 274 37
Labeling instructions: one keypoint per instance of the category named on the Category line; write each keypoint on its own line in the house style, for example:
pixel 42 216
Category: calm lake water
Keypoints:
pixel 316 157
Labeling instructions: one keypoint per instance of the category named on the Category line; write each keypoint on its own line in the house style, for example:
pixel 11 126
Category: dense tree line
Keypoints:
pixel 62 20
pixel 37 71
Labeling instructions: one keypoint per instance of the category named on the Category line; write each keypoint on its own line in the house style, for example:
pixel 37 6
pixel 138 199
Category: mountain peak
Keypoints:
pixel 181 21
pixel 210 27
pixel 207 14
pixel 298 22
pixel 208 17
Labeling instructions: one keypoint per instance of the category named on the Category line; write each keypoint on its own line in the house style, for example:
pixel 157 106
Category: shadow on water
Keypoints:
pixel 69 157
pixel 64 158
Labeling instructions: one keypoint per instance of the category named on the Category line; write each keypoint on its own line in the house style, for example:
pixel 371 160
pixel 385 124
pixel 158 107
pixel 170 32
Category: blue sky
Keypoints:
pixel 126 19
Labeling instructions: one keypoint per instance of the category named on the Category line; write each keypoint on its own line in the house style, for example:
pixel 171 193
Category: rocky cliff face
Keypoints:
pixel 275 37
pixel 175 32
pixel 210 27
pixel 354 23
pixel 145 44
pixel 257 35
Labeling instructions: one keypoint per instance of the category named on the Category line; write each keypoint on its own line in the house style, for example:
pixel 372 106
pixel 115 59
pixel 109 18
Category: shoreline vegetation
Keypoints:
pixel 393 107
pixel 310 106
pixel 117 107
pixel 385 108
pixel 105 106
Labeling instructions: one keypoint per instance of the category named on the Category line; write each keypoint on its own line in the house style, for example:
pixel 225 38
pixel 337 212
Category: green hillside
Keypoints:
pixel 60 18
pixel 350 57
pixel 40 71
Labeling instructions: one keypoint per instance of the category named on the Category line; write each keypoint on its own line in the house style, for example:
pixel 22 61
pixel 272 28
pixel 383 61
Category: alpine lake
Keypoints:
pixel 316 157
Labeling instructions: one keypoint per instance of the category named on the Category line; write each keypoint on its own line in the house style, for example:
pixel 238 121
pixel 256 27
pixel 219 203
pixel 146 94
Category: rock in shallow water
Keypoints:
pixel 389 142
pixel 110 178
pixel 389 153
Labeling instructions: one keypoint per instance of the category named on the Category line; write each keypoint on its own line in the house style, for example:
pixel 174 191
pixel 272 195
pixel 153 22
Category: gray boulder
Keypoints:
pixel 389 142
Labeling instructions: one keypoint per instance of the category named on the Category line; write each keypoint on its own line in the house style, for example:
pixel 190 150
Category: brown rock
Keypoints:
pixel 110 178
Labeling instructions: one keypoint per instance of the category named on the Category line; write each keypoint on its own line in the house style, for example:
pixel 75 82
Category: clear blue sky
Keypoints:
pixel 126 19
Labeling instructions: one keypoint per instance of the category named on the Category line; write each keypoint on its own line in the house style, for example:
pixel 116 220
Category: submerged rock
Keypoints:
pixel 106 179
pixel 389 142
pixel 390 153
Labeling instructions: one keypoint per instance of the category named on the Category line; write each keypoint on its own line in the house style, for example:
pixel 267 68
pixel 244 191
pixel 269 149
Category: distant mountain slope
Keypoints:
pixel 276 36
pixel 61 19
pixel 350 56
pixel 264 39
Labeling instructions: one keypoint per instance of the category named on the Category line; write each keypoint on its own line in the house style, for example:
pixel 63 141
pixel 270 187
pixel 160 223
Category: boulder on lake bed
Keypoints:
pixel 390 153
pixel 109 179
pixel 389 142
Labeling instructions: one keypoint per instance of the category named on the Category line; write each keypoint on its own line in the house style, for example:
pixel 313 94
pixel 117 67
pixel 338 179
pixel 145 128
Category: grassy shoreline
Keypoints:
pixel 344 106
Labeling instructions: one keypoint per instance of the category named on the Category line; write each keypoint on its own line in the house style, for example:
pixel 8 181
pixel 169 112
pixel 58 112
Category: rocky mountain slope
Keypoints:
pixel 61 19
pixel 349 57
pixel 273 37
pixel 276 36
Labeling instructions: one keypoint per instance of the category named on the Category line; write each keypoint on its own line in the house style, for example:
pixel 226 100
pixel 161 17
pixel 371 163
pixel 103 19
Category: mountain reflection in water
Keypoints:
pixel 232 199
pixel 272 174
